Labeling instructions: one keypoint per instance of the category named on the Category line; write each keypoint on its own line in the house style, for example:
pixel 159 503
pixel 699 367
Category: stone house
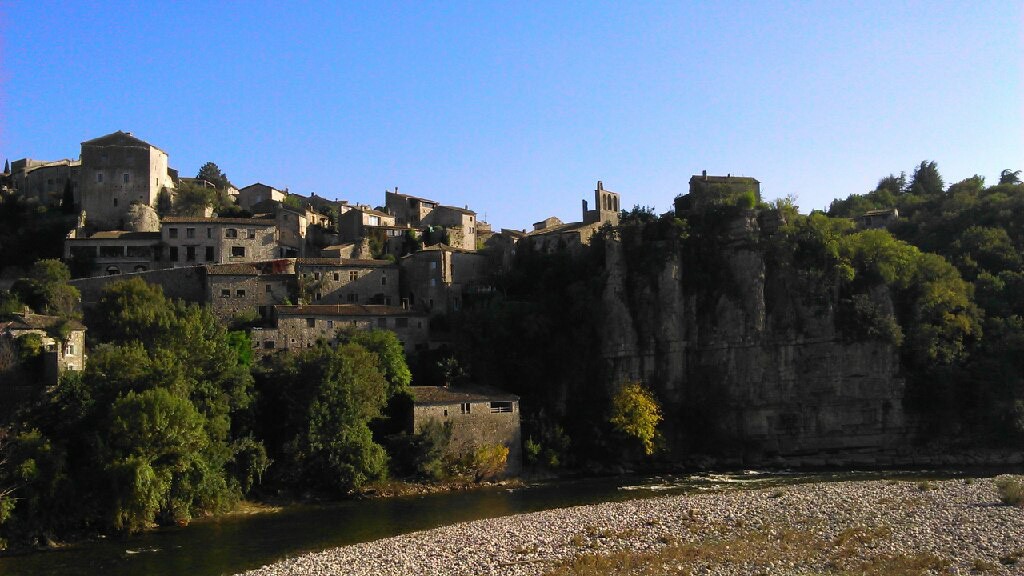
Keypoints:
pixel 118 169
pixel 362 222
pixel 878 218
pixel 187 241
pixel 113 251
pixel 436 279
pixel 301 231
pixel 250 288
pixel 459 225
pixel 43 182
pixel 713 190
pixel 409 211
pixel 298 327
pixel 59 354
pixel 478 417
pixel 255 193
pixel 348 281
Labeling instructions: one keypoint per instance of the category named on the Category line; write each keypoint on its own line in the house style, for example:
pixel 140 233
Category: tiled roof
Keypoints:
pixel 415 198
pixel 457 209
pixel 341 262
pixel 120 138
pixel 345 310
pixel 277 266
pixel 202 220
pixel 442 395
pixel 37 322
pixel 122 235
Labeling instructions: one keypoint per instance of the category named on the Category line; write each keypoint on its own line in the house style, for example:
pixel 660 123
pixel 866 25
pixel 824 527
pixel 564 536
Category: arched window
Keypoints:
pixel 112 270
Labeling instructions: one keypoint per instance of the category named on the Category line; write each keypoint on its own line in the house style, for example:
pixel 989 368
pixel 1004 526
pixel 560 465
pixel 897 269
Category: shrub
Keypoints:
pixel 1011 489
pixel 489 460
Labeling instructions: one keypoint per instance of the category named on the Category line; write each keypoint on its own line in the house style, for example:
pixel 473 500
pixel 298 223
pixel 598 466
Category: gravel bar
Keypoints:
pixel 959 521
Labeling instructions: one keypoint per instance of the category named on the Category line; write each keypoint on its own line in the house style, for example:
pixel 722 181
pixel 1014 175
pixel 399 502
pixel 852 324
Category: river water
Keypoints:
pixel 235 543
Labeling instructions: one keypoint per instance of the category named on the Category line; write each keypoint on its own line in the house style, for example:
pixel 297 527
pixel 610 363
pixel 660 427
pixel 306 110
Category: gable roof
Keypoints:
pixel 440 395
pixel 344 310
pixel 342 262
pixel 119 138
pixel 37 322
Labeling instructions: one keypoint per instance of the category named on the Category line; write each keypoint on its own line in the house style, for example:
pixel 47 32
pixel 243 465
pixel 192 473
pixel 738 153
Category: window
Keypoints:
pixel 373 220
pixel 330 323
pixel 238 251
pixel 190 232
pixel 239 293
pixel 209 253
pixel 173 254
pixel 267 288
pixel 111 251
pixel 172 232
pixel 158 253
pixel 268 345
pixel 231 233
pixel 500 407
pixel 352 297
pixel 99 177
pixel 69 350
pixel 252 234
pixel 433 281
pixel 190 253
pixel 126 178
pixel 382 322
pixel 318 296
pixel 465 407
pixel 316 275
pixel 310 322
pixel 262 311
pixel 433 266
pixel 115 202
pixel 225 292
pixel 353 275
pixel 209 232
pixel 337 277
pixel 401 322
pixel 383 280
pixel 113 270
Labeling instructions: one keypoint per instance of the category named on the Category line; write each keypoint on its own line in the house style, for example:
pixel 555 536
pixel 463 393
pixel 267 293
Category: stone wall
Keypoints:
pixel 327 281
pixel 188 284
pixel 478 427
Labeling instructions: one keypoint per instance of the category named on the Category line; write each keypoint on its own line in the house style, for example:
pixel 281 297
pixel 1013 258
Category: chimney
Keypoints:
pixel 704 175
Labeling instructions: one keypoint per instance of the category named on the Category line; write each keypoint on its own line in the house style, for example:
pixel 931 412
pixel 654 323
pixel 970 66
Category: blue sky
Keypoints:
pixel 518 108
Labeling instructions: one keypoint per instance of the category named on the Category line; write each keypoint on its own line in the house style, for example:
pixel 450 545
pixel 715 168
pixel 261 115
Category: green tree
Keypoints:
pixel 1008 176
pixel 390 357
pixel 926 180
pixel 637 413
pixel 212 174
pixel 47 289
pixel 194 199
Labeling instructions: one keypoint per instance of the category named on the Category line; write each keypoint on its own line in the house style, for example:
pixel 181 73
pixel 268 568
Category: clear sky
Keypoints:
pixel 518 108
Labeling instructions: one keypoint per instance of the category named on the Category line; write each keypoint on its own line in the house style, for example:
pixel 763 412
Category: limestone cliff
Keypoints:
pixel 750 363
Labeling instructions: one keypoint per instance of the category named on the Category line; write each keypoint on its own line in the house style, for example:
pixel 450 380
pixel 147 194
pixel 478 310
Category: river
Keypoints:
pixel 231 544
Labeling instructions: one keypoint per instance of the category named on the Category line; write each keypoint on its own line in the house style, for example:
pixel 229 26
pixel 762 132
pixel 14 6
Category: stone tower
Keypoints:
pixel 607 207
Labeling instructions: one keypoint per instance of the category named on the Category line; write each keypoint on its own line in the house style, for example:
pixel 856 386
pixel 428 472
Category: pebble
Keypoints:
pixel 958 521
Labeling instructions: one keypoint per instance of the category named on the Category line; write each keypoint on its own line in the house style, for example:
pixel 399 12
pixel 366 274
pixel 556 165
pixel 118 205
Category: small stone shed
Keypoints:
pixel 479 416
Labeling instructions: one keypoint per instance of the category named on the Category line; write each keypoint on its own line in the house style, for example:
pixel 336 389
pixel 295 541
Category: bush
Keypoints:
pixel 1011 489
pixel 489 460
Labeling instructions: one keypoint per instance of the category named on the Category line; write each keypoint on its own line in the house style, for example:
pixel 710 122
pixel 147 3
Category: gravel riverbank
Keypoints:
pixel 950 527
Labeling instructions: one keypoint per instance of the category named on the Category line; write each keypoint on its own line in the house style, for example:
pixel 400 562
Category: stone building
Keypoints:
pixel 878 218
pixel 459 225
pixel 437 279
pixel 478 416
pixel 362 222
pixel 348 281
pixel 118 169
pixel 300 327
pixel 187 241
pixel 552 235
pixel 59 354
pixel 234 290
pixel 43 181
pixel 715 190
pixel 408 211
pixel 255 193
pixel 112 252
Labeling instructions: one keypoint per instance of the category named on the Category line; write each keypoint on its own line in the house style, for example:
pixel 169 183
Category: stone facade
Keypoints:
pixel 459 223
pixel 711 190
pixel 300 327
pixel 191 241
pixel 185 283
pixel 58 355
pixel 336 281
pixel 118 169
pixel 44 182
pixel 113 252
pixel 253 194
pixel 436 279
pixel 478 417
pixel 408 211
pixel 234 290
pixel 878 218
pixel 362 221
pixel 606 208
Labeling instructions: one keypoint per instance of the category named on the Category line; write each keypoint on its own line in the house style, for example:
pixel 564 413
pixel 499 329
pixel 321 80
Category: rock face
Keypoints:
pixel 755 366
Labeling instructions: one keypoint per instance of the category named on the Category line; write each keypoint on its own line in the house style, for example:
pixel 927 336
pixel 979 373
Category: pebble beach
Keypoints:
pixel 943 527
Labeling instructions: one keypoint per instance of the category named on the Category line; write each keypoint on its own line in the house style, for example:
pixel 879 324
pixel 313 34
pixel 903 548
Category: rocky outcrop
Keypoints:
pixel 754 365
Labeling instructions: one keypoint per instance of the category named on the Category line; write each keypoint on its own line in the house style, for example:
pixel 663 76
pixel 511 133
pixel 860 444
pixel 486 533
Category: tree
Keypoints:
pixel 212 174
pixel 1008 176
pixel 926 180
pixel 194 199
pixel 47 289
pixel 390 357
pixel 637 413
